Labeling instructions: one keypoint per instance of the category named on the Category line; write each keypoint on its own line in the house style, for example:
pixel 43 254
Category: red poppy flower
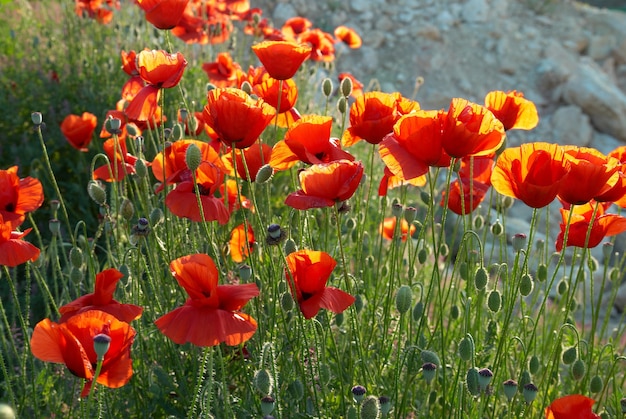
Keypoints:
pixel 170 166
pixel 268 91
pixel 78 130
pixel 102 299
pixel 471 130
pixel 512 109
pixel 308 140
pixel 574 406
pixel 390 181
pixel 388 228
pixel 212 313
pixel 357 86
pixel 241 243
pixel 531 173
pixel 224 72
pixel 129 62
pixel 18 196
pixel 602 225
pixel 323 185
pixel 13 250
pixel 322 45
pixel 96 10
pixel 232 197
pixel 372 116
pixel 590 175
pixel 71 343
pixel 281 59
pixel 160 70
pixel 225 110
pixel 293 27
pixel 307 274
pixel 255 156
pixel 348 36
pixel 466 200
pixel 122 163
pixel 163 14
pixel 414 145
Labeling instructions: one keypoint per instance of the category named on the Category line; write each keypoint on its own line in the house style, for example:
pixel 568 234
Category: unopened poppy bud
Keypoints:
pixel 177 132
pixel 133 131
pixel 339 319
pixel 524 379
pixel 358 393
pixel 507 202
pixel 496 228
pixel 596 384
pixel 358 303
pixel 614 274
pixel 290 246
pixel 593 263
pixel 370 408
pixel 327 87
pixel 6 411
pixel 76 257
pixel 444 249
pixel 96 192
pixel 542 272
pixel 125 271
pixel 494 301
pixel 342 104
pixel 421 255
pixel 263 382
pixel 246 87
pixel 562 287
pixel 472 382
pixel 55 226
pixel 484 378
pixel 193 157
pixel 418 311
pixel 37 118
pixel 526 285
pixel 127 209
pixel 264 174
pixel 101 344
pixel 578 369
pixel 385 405
pixel 519 242
pixel 141 170
pixel 533 365
pixel 245 272
pixel 510 388
pixel 481 278
pixel 346 86
pixel 466 348
pixel 425 197
pixel 76 275
pixel 569 355
pixel 478 222
pixel 296 390
pixel 403 299
pixel 622 403
pixel 530 392
pixel 418 229
pixel 455 312
pixel 156 217
pixel 267 405
pixel 429 371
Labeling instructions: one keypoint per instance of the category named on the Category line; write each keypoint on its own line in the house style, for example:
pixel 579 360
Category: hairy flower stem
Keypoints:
pixel 206 365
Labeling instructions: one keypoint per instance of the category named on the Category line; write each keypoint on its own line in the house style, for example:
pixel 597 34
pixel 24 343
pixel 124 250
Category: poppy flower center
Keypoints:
pixel 10 207
pixel 306 295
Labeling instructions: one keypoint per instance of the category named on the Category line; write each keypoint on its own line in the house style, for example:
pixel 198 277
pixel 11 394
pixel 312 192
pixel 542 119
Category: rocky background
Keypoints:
pixel 568 57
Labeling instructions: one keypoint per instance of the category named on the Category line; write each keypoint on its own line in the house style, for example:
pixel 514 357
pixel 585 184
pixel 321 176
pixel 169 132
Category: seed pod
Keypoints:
pixel 530 392
pixel 484 378
pixel 510 388
pixel 370 409
pixel 429 371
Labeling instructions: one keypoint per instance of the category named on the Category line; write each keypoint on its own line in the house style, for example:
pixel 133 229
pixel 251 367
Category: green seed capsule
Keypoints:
pixel 370 408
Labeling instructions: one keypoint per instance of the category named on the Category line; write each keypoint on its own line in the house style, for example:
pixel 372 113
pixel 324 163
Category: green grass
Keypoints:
pixel 380 342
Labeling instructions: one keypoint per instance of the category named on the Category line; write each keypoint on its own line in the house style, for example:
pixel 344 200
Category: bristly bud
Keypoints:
pixel 530 392
pixel 496 228
pixel 562 287
pixel 267 405
pixel 96 192
pixel 569 355
pixel 426 198
pixel 101 344
pixel 264 174
pixel 403 299
pixel 358 393
pixel 478 222
pixel 127 209
pixel 339 317
pixel 526 285
pixel 466 348
pixel 510 388
pixel 76 275
pixel 429 371
pixel 578 369
pixel 193 157
pixel 421 256
pixel 37 118
pixel 327 87
pixel 471 381
pixel 596 384
pixel 263 382
pixel 342 104
pixel 519 242
pixel 418 311
pixel 275 235
pixel 494 301
pixel 133 131
pixel 289 247
pixel 156 217
pixel 346 86
pixel 296 390
pixel 246 87
pixel 141 170
pixel 55 226
pixel 542 272
pixel 455 312
pixel 370 409
pixel 481 278
pixel 76 257
pixel 286 301
pixel 484 378
pixel 507 202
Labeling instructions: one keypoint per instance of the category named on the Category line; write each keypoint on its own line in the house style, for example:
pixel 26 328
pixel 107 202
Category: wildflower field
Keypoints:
pixel 200 218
